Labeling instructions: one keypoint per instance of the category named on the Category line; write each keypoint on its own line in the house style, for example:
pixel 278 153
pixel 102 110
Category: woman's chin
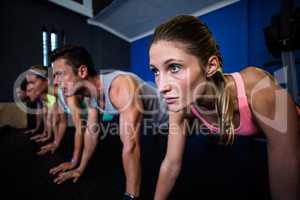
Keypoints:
pixel 179 107
pixel 175 107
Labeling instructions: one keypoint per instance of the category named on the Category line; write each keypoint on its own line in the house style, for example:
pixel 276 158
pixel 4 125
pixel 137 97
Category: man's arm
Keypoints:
pixel 124 96
pixel 60 129
pixel 90 138
pixel 90 144
pixel 73 104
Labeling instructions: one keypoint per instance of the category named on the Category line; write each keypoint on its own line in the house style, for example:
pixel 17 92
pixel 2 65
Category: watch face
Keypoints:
pixel 128 197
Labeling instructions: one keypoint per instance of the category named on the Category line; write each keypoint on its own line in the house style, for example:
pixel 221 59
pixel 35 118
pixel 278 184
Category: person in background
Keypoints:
pixel 37 77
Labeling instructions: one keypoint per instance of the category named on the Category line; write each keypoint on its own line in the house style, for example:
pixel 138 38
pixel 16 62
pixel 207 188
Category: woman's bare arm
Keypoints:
pixel 171 165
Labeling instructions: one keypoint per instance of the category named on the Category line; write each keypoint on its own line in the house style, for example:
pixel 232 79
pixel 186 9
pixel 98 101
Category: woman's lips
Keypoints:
pixel 171 100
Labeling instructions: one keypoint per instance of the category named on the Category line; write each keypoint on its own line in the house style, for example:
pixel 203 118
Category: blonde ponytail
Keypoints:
pixel 225 111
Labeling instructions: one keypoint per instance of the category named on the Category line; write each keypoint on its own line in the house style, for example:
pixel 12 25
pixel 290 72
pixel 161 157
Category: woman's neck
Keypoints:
pixel 43 97
pixel 207 99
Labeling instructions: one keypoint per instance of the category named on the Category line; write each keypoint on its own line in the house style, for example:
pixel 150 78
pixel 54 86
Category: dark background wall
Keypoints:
pixel 238 29
pixel 21 39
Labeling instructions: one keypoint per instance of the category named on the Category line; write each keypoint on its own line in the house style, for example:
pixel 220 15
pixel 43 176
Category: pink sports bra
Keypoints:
pixel 247 126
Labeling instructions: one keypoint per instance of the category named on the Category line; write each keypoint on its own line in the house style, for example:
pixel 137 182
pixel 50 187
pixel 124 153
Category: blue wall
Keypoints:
pixel 238 28
pixel 139 58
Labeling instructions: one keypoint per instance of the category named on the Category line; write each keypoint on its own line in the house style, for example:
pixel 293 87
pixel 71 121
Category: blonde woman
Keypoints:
pixel 187 65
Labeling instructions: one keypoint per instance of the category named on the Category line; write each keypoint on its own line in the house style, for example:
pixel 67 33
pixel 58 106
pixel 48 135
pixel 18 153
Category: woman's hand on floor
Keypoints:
pixel 51 147
pixel 63 167
pixel 44 139
pixel 38 136
pixel 73 174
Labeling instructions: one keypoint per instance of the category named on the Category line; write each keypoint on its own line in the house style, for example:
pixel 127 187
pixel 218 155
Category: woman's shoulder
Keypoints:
pixel 256 78
pixel 253 74
pixel 260 86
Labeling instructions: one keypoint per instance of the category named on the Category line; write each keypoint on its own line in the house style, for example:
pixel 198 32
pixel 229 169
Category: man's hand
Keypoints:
pixel 62 167
pixel 73 174
pixel 51 147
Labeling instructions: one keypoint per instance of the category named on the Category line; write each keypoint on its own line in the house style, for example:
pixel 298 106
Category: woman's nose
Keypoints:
pixel 164 87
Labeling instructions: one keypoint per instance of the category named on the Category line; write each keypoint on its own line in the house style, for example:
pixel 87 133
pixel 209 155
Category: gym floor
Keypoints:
pixel 238 172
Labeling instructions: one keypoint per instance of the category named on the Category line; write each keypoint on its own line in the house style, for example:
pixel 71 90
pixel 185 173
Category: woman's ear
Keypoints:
pixel 212 66
pixel 82 72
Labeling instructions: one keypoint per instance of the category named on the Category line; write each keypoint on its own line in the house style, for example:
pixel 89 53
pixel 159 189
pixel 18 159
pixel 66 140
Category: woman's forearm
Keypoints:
pixel 167 178
pixel 284 178
pixel 38 122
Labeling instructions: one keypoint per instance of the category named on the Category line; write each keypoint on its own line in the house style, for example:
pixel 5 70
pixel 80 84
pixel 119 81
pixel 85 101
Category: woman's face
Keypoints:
pixel 38 86
pixel 178 74
pixel 29 93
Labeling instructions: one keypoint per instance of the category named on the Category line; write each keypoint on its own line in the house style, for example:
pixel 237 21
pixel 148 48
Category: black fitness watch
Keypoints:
pixel 128 196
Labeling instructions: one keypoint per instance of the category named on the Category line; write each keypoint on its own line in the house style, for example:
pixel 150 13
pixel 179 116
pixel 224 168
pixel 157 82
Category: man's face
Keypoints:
pixel 64 76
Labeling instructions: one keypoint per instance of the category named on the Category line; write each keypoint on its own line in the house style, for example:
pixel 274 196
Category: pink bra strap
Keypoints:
pixel 239 84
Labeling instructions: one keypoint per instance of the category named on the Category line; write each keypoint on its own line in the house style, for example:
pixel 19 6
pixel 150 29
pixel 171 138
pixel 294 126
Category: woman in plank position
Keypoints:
pixel 187 65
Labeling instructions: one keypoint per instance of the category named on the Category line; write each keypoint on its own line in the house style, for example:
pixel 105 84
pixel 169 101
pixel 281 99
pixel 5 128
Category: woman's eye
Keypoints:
pixel 174 68
pixel 155 71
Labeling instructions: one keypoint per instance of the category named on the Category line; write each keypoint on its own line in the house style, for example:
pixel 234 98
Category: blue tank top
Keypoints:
pixel 62 102
pixel 153 104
